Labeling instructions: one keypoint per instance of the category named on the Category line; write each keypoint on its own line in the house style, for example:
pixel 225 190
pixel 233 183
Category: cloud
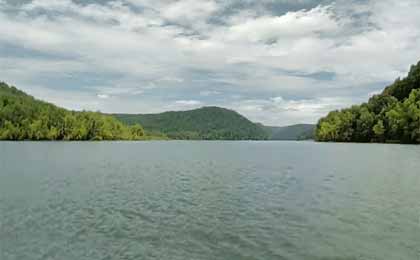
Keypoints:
pixel 103 96
pixel 290 111
pixel 56 5
pixel 188 102
pixel 156 55
pixel 180 105
pixel 171 79
pixel 207 93
pixel 189 11
pixel 292 24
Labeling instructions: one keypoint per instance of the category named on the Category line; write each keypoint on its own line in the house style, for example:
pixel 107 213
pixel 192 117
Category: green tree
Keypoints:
pixel 412 106
pixel 393 115
pixel 137 131
pixel 379 131
pixel 23 117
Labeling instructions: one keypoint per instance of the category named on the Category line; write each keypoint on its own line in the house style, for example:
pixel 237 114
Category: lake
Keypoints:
pixel 182 200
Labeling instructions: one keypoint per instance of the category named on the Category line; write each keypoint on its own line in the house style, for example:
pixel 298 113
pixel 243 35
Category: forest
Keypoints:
pixel 207 123
pixel 298 132
pixel 392 116
pixel 22 117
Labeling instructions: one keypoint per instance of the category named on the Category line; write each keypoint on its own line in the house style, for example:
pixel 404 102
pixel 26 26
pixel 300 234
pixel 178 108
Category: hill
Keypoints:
pixel 392 116
pixel 292 132
pixel 207 123
pixel 23 117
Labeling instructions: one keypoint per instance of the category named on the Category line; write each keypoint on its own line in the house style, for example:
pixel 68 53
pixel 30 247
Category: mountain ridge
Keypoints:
pixel 291 132
pixel 207 123
pixel 159 122
pixel 23 117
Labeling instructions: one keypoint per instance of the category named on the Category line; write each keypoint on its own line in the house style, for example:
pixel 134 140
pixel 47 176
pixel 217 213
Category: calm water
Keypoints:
pixel 209 200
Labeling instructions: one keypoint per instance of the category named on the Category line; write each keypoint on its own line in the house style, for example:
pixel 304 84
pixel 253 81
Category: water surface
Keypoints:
pixel 209 200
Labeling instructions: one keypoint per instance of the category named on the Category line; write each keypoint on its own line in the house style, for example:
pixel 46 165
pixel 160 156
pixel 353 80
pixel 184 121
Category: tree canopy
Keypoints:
pixel 22 117
pixel 207 123
pixel 392 116
pixel 292 132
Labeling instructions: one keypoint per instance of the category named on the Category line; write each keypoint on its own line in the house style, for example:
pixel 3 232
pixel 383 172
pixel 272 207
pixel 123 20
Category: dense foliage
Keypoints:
pixel 207 123
pixel 292 132
pixel 24 118
pixel 392 116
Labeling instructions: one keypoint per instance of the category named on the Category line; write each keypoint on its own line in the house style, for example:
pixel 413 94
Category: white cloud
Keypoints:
pixel 207 93
pixel 56 5
pixel 187 11
pixel 292 24
pixel 279 111
pixel 103 96
pixel 172 79
pixel 173 49
pixel 188 102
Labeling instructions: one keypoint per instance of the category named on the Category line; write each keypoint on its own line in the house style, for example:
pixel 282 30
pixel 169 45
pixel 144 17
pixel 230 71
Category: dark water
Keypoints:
pixel 209 200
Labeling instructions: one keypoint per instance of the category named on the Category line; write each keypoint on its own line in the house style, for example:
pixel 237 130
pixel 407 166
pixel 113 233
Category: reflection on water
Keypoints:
pixel 209 200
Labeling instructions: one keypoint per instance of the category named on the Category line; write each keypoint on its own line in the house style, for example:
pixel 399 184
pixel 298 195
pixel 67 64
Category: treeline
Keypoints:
pixel 293 132
pixel 207 123
pixel 24 118
pixel 392 116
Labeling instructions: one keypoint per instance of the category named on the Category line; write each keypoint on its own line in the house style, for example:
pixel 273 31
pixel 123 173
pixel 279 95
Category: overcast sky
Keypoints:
pixel 277 62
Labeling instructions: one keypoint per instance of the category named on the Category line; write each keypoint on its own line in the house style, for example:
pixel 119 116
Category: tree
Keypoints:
pixel 412 107
pixel 23 117
pixel 137 131
pixel 379 131
pixel 9 131
pixel 393 115
pixel 364 125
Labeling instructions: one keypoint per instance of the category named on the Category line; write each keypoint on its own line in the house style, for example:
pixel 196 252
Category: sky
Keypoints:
pixel 278 62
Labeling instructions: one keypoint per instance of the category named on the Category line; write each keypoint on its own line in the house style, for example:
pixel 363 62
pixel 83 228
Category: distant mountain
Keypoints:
pixel 23 117
pixel 207 123
pixel 293 132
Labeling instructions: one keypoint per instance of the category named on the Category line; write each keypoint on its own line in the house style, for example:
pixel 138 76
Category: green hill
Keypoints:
pixel 392 116
pixel 207 123
pixel 292 132
pixel 23 117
